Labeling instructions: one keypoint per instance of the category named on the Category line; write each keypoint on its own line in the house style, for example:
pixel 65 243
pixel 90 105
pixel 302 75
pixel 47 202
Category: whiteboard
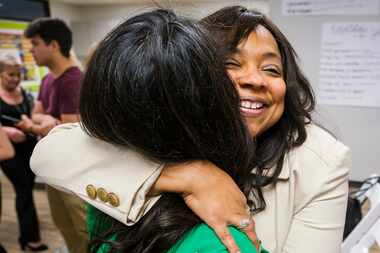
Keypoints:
pixel 357 127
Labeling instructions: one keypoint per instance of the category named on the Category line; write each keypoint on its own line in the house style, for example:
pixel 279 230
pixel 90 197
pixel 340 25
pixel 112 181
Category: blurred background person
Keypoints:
pixel 58 97
pixel 15 104
pixel 6 149
pixel 6 152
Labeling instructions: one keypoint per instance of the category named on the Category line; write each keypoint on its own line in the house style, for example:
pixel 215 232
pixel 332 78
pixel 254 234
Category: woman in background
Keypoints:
pixel 6 152
pixel 15 105
pixel 305 168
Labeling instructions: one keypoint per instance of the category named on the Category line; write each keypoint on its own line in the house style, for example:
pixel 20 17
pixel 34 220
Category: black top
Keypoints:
pixel 15 111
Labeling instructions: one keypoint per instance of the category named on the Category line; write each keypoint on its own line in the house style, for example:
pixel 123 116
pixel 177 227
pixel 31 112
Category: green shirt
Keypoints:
pixel 200 239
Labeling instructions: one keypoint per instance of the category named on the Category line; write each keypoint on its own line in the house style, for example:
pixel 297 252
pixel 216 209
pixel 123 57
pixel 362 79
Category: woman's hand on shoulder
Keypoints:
pixel 211 194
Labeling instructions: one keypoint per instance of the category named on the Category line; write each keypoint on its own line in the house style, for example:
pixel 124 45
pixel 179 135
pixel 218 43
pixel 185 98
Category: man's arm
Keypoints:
pixel 38 112
pixel 41 122
pixel 69 100
pixel 46 123
pixel 69 118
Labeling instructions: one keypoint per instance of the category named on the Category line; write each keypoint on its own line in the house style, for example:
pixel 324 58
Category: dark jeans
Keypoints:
pixel 22 178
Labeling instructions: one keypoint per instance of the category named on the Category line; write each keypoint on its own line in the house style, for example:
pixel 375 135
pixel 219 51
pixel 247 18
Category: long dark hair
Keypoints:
pixel 157 84
pixel 229 27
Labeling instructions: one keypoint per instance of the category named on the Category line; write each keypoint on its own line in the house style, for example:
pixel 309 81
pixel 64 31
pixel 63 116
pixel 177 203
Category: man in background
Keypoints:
pixel 58 98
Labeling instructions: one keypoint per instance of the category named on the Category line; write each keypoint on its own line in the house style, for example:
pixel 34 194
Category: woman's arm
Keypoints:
pixel 69 159
pixel 14 134
pixel 211 194
pixel 200 239
pixel 42 126
pixel 6 149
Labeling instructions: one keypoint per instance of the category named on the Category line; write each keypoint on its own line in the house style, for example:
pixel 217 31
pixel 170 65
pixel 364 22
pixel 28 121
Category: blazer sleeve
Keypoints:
pixel 320 199
pixel 70 160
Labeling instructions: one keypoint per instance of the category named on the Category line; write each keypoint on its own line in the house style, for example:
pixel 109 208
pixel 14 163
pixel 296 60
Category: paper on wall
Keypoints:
pixel 350 64
pixel 330 7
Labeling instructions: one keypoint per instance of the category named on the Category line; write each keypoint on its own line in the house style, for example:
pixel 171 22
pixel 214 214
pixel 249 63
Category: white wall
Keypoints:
pixel 63 11
pixel 357 127
pixel 195 9
pixel 90 23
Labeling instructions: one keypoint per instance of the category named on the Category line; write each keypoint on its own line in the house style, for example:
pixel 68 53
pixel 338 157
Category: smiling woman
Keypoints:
pixel 160 73
pixel 302 169
pixel 256 68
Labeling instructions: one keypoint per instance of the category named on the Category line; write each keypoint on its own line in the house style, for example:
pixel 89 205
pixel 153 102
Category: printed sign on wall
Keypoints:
pixel 330 7
pixel 350 64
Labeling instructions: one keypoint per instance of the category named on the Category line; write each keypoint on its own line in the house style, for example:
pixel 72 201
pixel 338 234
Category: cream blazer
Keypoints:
pixel 305 210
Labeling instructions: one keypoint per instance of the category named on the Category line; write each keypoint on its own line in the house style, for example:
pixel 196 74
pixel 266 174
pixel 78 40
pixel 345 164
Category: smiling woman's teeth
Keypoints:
pixel 251 105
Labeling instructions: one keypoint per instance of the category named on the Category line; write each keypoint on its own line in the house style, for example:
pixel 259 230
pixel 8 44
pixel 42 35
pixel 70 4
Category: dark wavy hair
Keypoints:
pixel 229 27
pixel 50 29
pixel 157 84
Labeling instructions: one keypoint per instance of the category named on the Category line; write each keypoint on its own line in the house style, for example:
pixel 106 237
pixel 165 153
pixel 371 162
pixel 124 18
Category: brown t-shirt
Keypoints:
pixel 61 95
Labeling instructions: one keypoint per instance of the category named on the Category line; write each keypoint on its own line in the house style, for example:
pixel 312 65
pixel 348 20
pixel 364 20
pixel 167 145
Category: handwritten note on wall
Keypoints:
pixel 350 64
pixel 330 7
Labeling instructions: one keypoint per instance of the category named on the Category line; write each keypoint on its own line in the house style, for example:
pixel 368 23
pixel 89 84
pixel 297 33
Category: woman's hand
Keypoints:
pixel 25 124
pixel 42 127
pixel 14 134
pixel 211 194
pixel 6 149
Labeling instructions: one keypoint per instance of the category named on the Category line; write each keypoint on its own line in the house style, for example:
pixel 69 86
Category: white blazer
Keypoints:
pixel 305 209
